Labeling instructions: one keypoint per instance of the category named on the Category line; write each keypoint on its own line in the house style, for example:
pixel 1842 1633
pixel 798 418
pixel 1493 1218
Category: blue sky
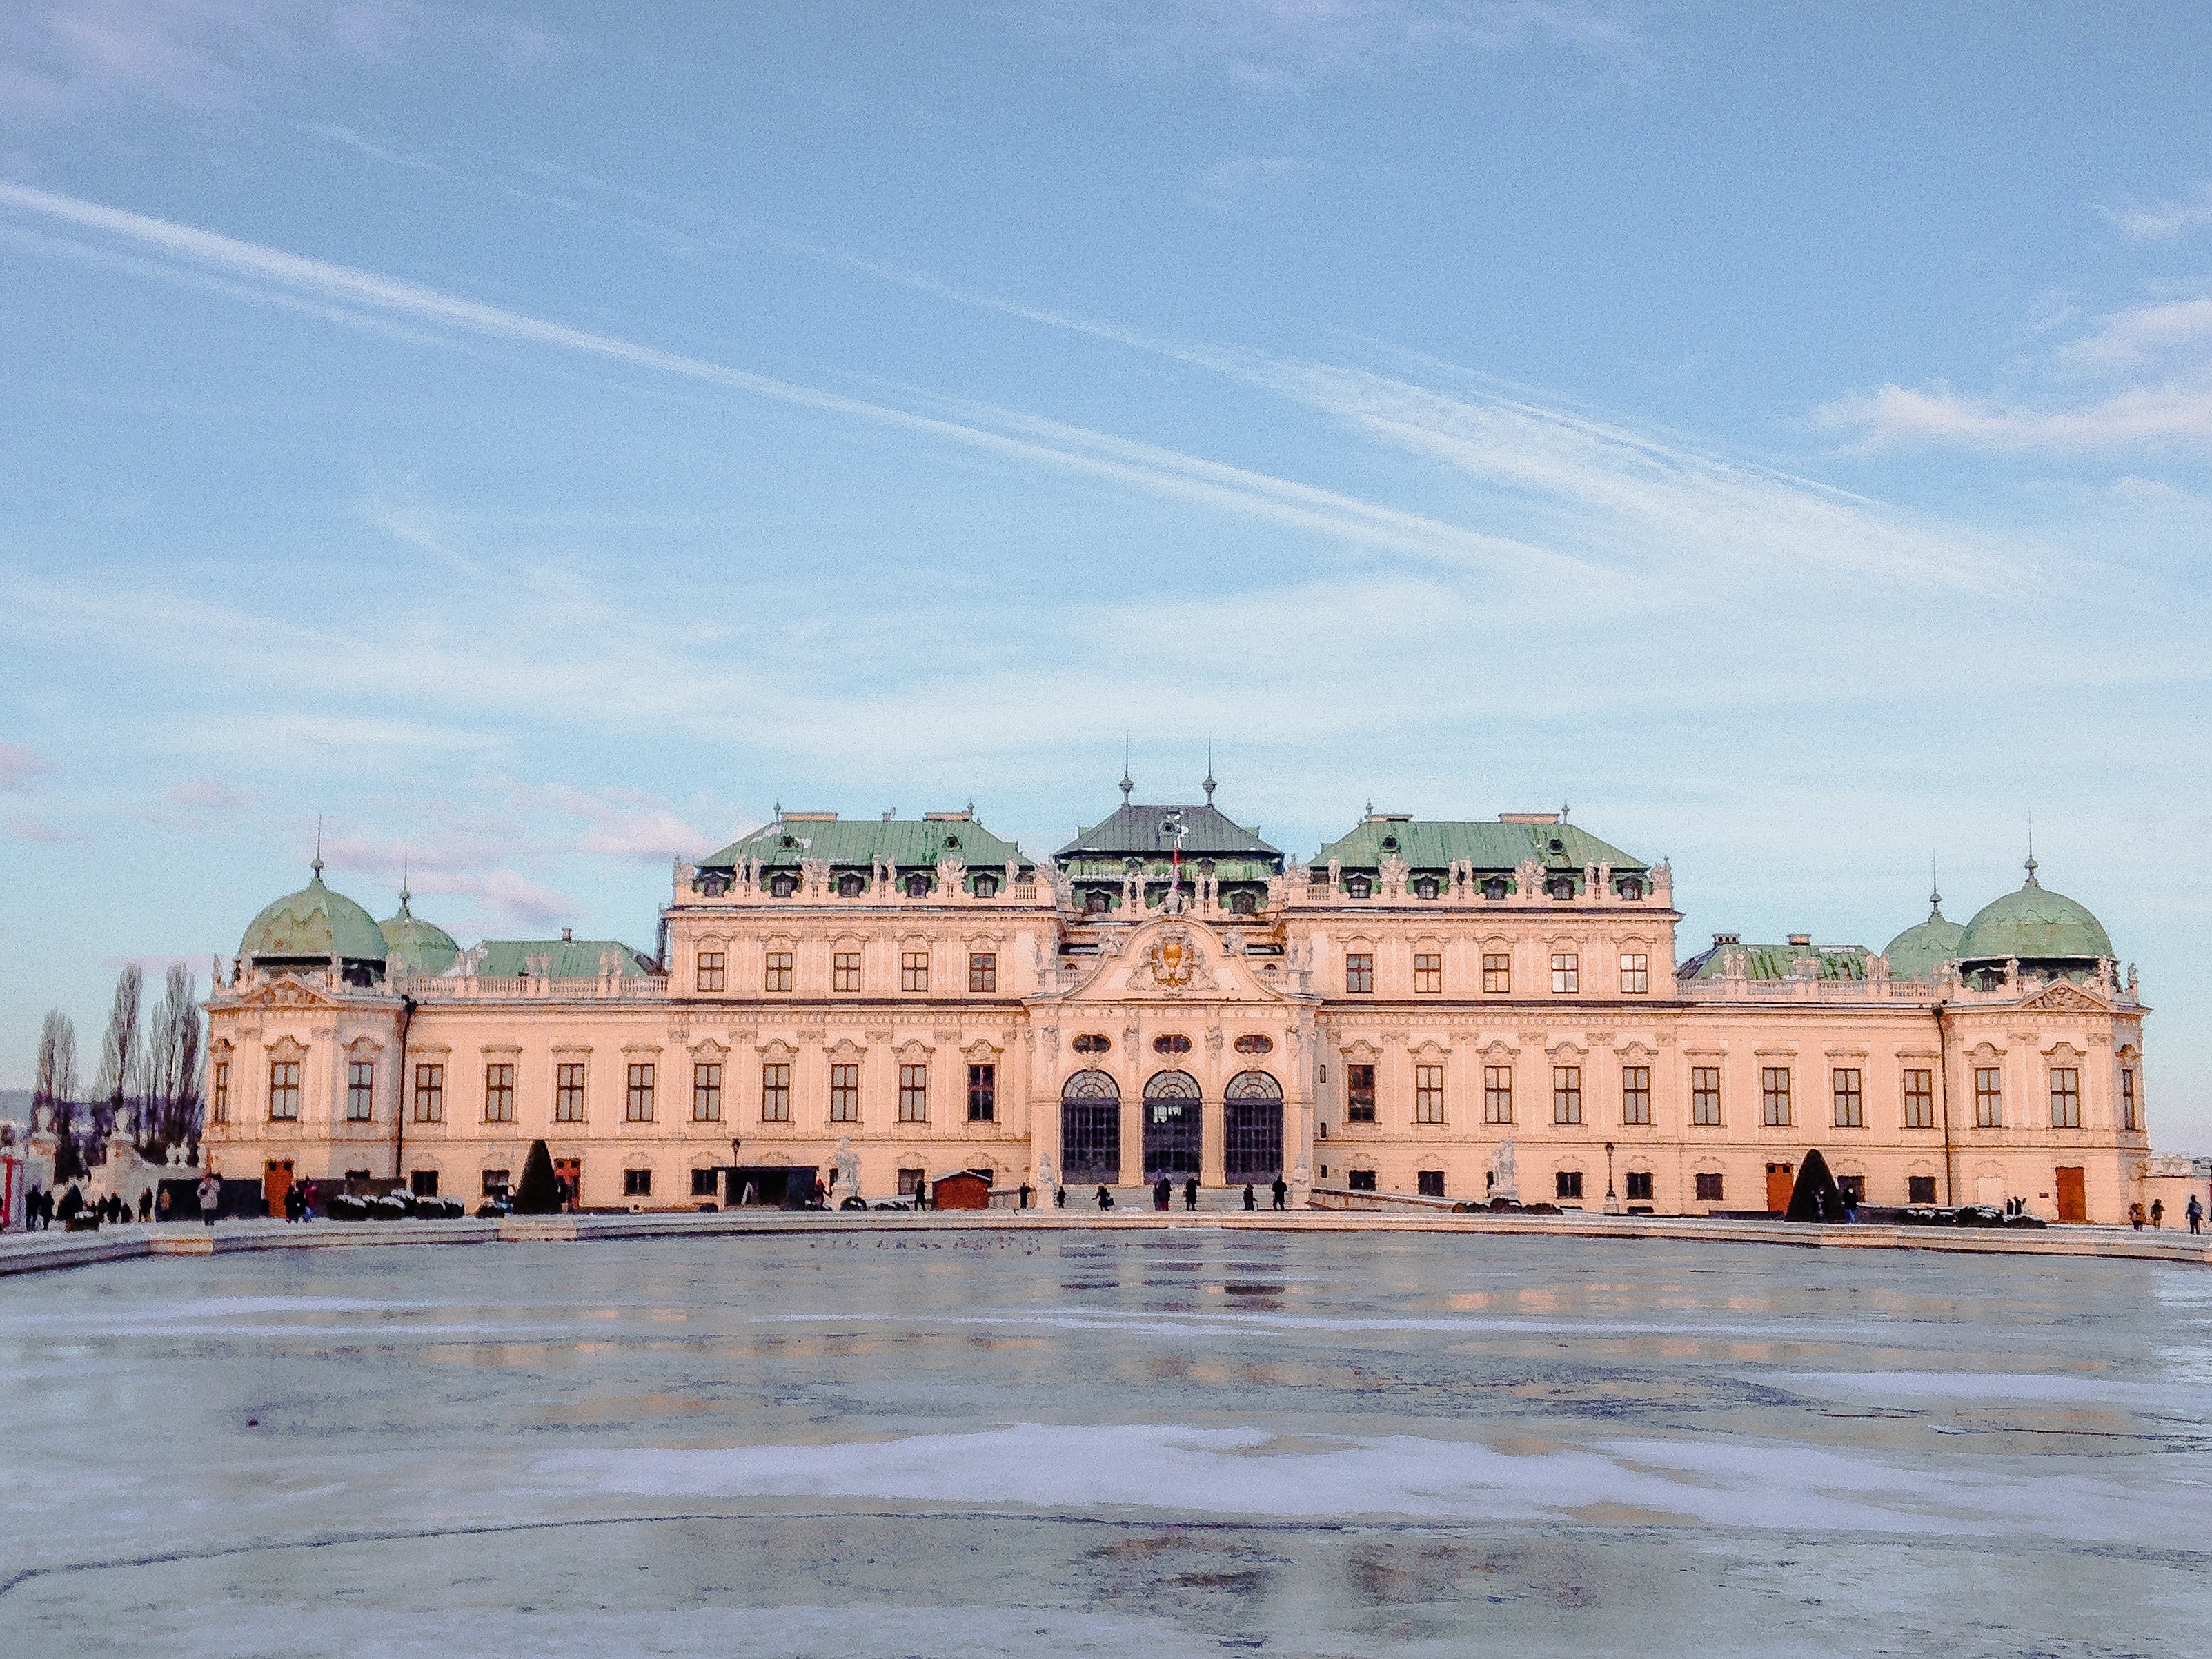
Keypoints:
pixel 540 441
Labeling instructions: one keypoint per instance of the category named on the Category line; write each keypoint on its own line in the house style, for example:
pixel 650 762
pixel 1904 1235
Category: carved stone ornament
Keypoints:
pixel 1173 961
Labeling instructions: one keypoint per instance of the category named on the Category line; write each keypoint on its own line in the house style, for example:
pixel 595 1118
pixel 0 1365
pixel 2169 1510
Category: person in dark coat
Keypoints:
pixel 1250 1201
pixel 1060 1198
pixel 2195 1212
pixel 2158 1212
pixel 1105 1199
pixel 1190 1194
pixel 1282 1194
pixel 1022 1196
pixel 292 1203
pixel 73 1200
pixel 146 1204
pixel 1162 1194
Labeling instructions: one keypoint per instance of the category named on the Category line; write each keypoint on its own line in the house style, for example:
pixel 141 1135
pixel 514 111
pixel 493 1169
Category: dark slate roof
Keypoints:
pixel 1433 844
pixel 1136 832
pixel 908 843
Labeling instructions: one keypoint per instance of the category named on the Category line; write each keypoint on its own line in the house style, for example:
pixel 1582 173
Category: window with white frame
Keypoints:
pixel 1566 973
pixel 1635 973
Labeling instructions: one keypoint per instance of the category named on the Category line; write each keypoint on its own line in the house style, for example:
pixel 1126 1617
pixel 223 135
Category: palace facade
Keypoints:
pixel 1459 1010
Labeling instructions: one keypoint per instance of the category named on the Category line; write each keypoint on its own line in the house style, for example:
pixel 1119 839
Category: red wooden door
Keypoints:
pixel 2073 1203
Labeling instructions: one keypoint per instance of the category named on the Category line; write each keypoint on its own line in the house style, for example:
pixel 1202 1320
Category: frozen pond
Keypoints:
pixel 1199 1443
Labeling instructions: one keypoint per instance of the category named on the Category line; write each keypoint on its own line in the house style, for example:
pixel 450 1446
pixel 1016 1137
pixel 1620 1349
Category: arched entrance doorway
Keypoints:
pixel 1172 1126
pixel 1090 1130
pixel 1252 1145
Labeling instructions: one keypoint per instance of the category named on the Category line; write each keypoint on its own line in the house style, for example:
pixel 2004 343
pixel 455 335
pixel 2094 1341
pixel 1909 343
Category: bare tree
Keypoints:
pixel 172 1113
pixel 118 1052
pixel 53 1102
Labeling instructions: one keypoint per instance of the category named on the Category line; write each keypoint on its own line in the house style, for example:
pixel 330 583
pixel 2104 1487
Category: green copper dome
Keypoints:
pixel 413 945
pixel 1921 949
pixel 2034 925
pixel 314 923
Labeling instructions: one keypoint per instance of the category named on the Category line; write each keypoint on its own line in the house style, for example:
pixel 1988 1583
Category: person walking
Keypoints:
pixel 310 1196
pixel 2195 1212
pixel 292 1204
pixel 146 1204
pixel 1105 1199
pixel 2158 1212
pixel 1282 1194
pixel 1251 1202
pixel 1060 1198
pixel 1190 1194
pixel 1162 1194
pixel 1022 1196
pixel 210 1194
pixel 2135 1217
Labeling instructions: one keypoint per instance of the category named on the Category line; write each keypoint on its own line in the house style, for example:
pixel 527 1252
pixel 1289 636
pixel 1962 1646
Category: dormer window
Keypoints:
pixel 1557 845
pixel 782 884
pixel 1389 844
pixel 1098 901
pixel 1358 887
pixel 1494 889
pixel 790 841
pixel 1243 903
pixel 917 886
pixel 1629 887
pixel 715 885
pixel 1560 887
pixel 986 886
pixel 952 841
pixel 850 885
pixel 1425 887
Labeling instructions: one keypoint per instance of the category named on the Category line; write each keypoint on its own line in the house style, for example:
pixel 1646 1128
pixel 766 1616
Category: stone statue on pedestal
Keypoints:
pixel 1506 1184
pixel 848 1169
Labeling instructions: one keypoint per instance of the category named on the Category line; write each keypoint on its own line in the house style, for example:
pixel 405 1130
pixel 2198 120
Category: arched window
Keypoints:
pixel 1560 887
pixel 1171 1085
pixel 1494 887
pixel 1253 1085
pixel 1244 903
pixel 851 885
pixel 987 885
pixel 1098 901
pixel 917 886
pixel 714 883
pixel 782 884
pixel 1358 887
pixel 1171 1045
pixel 1425 887
pixel 1629 887
pixel 1093 1042
pixel 1091 1086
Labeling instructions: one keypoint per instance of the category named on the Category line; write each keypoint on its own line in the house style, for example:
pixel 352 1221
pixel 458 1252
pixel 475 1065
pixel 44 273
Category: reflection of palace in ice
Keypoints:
pixel 1427 1008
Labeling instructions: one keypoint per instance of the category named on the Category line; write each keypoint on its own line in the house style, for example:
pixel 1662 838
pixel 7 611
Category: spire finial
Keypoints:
pixel 317 865
pixel 1126 786
pixel 2031 881
pixel 1934 891
pixel 403 894
pixel 1209 785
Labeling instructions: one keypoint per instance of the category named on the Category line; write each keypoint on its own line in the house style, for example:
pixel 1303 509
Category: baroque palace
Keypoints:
pixel 1458 1009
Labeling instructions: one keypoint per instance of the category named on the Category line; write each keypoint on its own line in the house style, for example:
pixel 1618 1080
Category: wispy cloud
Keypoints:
pixel 30 828
pixel 2139 378
pixel 21 768
pixel 2163 220
pixel 346 294
pixel 1291 44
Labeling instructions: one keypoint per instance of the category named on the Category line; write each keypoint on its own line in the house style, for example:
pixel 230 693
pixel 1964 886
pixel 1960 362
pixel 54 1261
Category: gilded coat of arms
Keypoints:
pixel 1174 960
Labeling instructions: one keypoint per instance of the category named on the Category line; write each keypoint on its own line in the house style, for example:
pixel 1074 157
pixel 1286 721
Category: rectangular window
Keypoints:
pixel 776 1092
pixel 1635 973
pixel 1567 1094
pixel 1360 973
pixel 1705 1094
pixel 430 1094
pixel 1639 1186
pixel 2065 1097
pixel 1498 1094
pixel 711 971
pixel 776 973
pixel 845 971
pixel 2128 1120
pixel 1567 974
pixel 222 1102
pixel 499 1093
pixel 706 1183
pixel 1428 1094
pixel 637 1183
pixel 1920 1189
pixel 983 971
pixel 423 1184
pixel 844 1094
pixel 283 1090
pixel 1430 1183
pixel 1497 974
pixel 361 1090
pixel 982 1094
pixel 1359 1094
pixel 1919 1098
pixel 1636 1094
pixel 1774 1095
pixel 707 1091
pixel 1850 1112
pixel 1988 1097
pixel 914 1094
pixel 1428 975
pixel 568 1092
pixel 1359 1181
pixel 1567 1184
pixel 638 1104
pixel 914 971
pixel 1709 1189
pixel 494 1183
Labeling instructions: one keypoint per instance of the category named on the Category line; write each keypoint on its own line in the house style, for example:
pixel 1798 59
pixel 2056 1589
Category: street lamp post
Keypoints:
pixel 1612 1202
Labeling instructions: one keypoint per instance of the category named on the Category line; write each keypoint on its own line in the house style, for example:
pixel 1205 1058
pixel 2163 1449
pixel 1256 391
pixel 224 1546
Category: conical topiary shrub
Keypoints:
pixel 539 1194
pixel 1815 1197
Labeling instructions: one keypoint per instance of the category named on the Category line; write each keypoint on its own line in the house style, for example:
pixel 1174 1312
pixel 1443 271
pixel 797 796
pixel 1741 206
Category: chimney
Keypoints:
pixel 567 936
pixel 1801 939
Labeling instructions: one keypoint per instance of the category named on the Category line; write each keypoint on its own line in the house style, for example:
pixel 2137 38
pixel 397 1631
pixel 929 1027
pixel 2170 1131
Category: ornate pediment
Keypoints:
pixel 288 993
pixel 1171 958
pixel 2065 997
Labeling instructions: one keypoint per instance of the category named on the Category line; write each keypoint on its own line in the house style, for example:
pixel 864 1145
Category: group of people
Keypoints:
pixel 299 1200
pixel 1164 1194
pixel 2156 1214
pixel 41 1209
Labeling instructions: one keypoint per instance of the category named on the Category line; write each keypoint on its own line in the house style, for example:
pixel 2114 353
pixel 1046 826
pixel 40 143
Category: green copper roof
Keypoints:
pixel 415 946
pixel 1921 949
pixel 1145 832
pixel 2034 925
pixel 566 958
pixel 1435 844
pixel 907 843
pixel 314 922
pixel 1837 962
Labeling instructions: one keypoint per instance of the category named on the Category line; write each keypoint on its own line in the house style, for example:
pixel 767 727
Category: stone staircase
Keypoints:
pixel 1210 1199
